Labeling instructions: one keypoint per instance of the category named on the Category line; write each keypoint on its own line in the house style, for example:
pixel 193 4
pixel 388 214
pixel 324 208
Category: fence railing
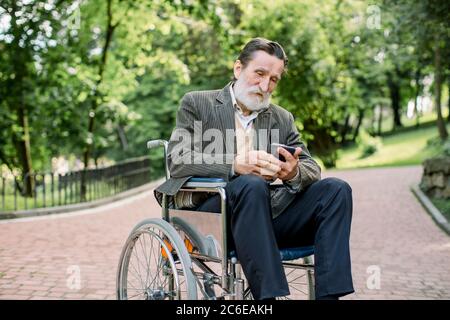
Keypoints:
pixel 53 189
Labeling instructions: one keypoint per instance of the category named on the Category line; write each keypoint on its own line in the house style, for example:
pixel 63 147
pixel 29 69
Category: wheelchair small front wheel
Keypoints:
pixel 155 265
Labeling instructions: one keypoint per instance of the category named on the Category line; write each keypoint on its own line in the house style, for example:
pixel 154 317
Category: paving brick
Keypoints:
pixel 390 229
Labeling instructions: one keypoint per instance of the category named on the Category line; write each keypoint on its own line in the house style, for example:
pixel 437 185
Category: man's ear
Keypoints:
pixel 237 68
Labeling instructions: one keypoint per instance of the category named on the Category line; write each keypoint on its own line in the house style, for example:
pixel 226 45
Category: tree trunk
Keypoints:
pixel 122 137
pixel 21 140
pixel 448 96
pixel 358 125
pixel 23 151
pixel 110 27
pixel 394 90
pixel 437 92
pixel 344 130
pixel 373 120
pixel 416 96
pixel 380 120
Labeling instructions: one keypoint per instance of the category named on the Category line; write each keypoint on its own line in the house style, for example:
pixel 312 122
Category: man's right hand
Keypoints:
pixel 257 162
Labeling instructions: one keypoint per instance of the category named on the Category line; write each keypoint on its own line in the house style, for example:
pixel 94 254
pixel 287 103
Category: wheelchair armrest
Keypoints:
pixel 200 182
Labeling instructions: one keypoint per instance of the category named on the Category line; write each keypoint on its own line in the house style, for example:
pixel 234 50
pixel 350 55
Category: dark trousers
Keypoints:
pixel 320 216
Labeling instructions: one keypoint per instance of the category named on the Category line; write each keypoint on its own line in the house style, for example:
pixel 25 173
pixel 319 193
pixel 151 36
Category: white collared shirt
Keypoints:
pixel 246 121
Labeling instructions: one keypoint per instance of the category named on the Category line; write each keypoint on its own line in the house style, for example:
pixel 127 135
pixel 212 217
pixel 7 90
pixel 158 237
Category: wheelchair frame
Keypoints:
pixel 179 257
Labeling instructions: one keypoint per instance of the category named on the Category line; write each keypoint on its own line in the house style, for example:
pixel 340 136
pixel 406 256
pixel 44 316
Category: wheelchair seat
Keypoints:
pixel 289 254
pixel 199 182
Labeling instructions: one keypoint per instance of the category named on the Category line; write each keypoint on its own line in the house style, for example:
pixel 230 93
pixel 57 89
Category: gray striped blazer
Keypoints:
pixel 213 109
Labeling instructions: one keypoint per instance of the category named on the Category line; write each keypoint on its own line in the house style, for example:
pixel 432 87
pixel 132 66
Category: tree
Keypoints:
pixel 429 24
pixel 28 36
pixel 325 87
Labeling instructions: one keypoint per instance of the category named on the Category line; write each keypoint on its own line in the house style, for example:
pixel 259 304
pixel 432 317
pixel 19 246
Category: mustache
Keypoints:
pixel 258 91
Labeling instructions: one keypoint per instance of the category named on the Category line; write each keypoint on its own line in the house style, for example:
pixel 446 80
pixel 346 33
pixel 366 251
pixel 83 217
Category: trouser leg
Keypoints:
pixel 321 215
pixel 251 226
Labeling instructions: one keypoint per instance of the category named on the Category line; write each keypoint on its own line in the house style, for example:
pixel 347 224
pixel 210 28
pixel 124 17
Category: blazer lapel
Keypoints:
pixel 224 114
pixel 262 122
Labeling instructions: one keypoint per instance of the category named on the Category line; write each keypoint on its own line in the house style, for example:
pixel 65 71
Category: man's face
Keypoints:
pixel 256 82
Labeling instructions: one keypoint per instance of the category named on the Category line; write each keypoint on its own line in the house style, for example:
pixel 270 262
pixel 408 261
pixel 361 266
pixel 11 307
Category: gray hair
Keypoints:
pixel 271 47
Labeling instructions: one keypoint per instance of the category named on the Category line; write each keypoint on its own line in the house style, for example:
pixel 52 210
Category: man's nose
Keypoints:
pixel 264 84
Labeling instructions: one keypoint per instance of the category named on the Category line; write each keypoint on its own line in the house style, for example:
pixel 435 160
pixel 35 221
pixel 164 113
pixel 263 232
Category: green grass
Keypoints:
pixel 388 123
pixel 443 205
pixel 102 189
pixel 407 148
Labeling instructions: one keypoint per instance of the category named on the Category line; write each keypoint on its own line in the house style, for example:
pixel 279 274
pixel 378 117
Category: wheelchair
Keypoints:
pixel 184 255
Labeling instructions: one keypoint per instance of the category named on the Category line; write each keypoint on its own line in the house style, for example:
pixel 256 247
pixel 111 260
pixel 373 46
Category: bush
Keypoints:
pixel 442 147
pixel 446 148
pixel 367 144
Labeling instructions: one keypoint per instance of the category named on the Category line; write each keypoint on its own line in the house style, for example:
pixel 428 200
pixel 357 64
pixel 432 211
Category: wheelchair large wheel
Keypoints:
pixel 155 265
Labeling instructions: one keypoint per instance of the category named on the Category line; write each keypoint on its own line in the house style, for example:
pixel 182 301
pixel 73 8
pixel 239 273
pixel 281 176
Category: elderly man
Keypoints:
pixel 303 210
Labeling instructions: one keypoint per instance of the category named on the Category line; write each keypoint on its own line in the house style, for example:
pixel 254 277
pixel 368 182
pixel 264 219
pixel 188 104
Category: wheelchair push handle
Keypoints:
pixel 158 143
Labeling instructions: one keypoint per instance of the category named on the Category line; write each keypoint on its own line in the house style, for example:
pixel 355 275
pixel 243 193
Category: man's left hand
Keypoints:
pixel 290 167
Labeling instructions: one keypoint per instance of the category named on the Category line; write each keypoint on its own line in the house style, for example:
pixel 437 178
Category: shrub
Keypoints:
pixel 442 147
pixel 446 148
pixel 367 144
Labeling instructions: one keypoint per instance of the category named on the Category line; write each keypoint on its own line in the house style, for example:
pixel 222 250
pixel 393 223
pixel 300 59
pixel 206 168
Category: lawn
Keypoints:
pixel 407 148
pixel 388 122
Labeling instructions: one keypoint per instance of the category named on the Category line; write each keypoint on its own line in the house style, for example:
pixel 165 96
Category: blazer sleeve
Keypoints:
pixel 309 170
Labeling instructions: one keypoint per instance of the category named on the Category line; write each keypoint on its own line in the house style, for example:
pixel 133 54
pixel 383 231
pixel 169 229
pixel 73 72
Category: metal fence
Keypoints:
pixel 52 189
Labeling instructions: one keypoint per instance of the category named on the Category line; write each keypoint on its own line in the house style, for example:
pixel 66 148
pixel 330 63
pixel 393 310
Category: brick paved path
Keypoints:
pixel 391 233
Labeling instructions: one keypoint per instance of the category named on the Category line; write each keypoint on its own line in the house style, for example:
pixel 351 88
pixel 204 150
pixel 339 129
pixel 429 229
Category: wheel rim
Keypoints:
pixel 150 269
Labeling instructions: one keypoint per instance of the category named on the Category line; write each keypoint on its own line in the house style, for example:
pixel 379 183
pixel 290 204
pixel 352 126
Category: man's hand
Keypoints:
pixel 258 162
pixel 290 167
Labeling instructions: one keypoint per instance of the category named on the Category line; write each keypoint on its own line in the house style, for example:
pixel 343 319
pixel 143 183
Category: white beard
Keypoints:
pixel 245 95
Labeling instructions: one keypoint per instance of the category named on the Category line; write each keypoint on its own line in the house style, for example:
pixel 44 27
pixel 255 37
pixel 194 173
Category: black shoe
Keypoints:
pixel 328 297
pixel 268 299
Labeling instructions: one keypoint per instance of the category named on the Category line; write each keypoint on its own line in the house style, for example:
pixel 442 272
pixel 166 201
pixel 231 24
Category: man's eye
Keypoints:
pixel 274 80
pixel 259 73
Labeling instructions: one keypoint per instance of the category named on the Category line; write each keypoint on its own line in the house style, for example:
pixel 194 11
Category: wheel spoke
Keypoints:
pixel 300 276
pixel 152 265
pixel 144 249
pixel 138 266
pixel 137 275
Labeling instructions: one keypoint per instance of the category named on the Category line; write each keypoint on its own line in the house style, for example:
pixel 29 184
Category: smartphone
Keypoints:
pixel 274 147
